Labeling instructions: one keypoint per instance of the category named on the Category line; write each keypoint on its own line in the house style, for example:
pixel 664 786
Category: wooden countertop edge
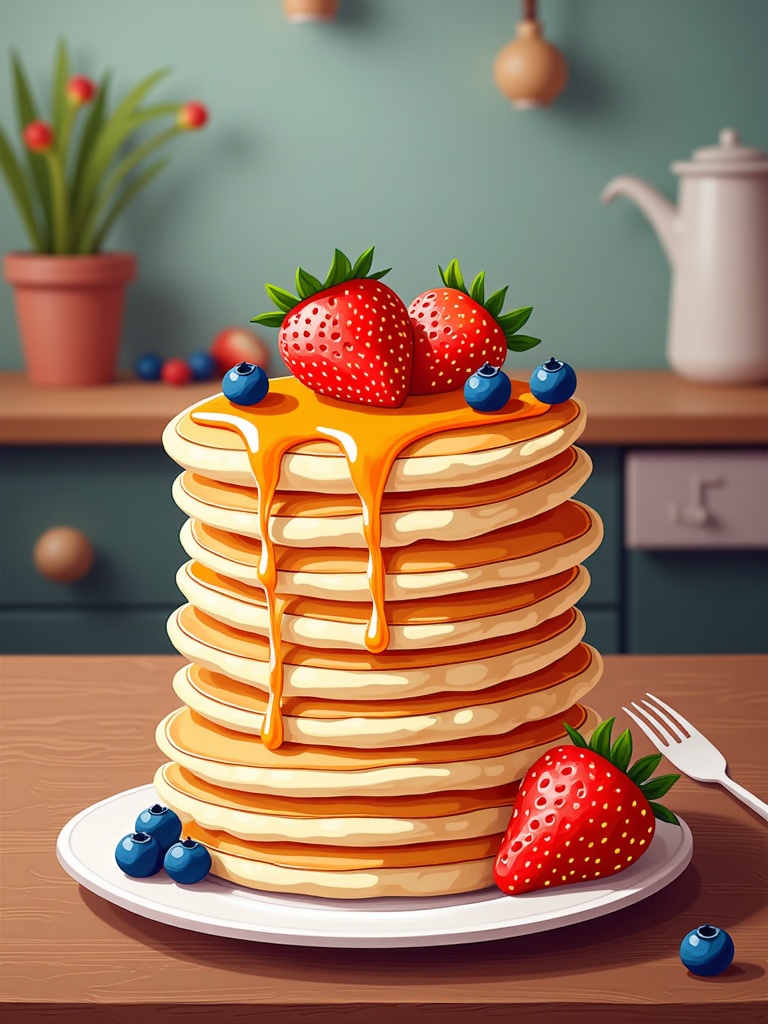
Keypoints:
pixel 625 407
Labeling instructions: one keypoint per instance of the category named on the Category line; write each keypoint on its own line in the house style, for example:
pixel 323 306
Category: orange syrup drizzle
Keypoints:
pixel 371 440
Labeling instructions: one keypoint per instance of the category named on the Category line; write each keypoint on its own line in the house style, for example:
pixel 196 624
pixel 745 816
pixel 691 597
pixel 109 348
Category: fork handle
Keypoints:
pixel 758 806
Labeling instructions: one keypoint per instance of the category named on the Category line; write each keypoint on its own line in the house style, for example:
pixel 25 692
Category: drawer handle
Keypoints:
pixel 63 554
pixel 696 512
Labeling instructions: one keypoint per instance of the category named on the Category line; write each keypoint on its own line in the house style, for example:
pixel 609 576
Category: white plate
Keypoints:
pixel 86 847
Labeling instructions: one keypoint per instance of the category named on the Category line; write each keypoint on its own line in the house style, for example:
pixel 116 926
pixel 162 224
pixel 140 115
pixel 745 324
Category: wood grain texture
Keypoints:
pixel 75 730
pixel 626 407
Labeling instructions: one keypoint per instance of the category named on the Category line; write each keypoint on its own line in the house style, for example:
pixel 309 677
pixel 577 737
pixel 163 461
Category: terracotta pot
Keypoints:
pixel 310 10
pixel 70 314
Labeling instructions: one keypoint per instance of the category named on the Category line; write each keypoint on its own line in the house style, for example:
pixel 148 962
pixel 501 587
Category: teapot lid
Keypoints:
pixel 728 157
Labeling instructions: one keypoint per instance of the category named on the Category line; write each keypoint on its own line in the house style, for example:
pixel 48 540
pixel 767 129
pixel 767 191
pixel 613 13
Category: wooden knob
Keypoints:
pixel 63 554
pixel 529 71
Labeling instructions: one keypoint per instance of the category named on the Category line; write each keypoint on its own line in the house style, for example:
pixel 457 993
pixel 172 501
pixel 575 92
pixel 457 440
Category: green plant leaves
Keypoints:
pixel 26 112
pixel 59 88
pixel 516 319
pixel 18 187
pixel 477 288
pixel 122 201
pixel 496 301
pixel 88 136
pixel 339 270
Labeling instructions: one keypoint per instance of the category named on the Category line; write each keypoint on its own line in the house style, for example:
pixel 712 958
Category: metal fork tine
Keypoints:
pixel 648 732
pixel 678 717
pixel 670 721
pixel 666 736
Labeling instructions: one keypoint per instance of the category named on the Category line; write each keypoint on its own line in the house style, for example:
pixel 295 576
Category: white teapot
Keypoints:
pixel 716 240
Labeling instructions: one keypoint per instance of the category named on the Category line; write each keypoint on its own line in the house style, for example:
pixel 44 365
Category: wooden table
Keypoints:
pixel 76 730
pixel 625 407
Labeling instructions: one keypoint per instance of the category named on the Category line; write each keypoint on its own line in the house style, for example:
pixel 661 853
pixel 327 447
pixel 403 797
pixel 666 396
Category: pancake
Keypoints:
pixel 459 514
pixel 412 625
pixel 341 675
pixel 542 546
pixel 372 724
pixel 396 821
pixel 235 761
pixel 470 456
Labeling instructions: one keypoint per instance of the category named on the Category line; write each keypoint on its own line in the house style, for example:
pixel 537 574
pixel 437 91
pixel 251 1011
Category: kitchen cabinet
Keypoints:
pixel 92 459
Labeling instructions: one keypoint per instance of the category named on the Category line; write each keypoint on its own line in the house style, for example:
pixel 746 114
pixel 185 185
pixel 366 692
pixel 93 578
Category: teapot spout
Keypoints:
pixel 659 211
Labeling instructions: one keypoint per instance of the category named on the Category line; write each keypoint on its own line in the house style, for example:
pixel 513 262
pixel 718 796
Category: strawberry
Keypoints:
pixel 349 338
pixel 581 813
pixel 457 330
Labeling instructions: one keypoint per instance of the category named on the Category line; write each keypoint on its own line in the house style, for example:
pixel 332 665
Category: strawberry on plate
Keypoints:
pixel 581 813
pixel 348 337
pixel 456 330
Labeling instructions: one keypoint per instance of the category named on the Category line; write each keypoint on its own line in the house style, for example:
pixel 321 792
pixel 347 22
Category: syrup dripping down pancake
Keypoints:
pixel 542 546
pixel 467 456
pixel 412 625
pixel 380 724
pixel 440 515
pixel 342 675
pixel 393 821
pixel 238 762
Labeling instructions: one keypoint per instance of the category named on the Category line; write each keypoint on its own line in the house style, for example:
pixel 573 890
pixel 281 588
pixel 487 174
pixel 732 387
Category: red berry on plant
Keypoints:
pixel 80 90
pixel 38 136
pixel 455 330
pixel 176 371
pixel 349 337
pixel 192 116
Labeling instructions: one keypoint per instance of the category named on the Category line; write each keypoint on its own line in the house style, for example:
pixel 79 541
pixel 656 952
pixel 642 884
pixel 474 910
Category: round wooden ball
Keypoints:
pixel 63 554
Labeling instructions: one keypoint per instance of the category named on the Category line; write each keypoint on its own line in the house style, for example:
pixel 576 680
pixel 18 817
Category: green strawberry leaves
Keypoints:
pixel 510 323
pixel 340 270
pixel 619 754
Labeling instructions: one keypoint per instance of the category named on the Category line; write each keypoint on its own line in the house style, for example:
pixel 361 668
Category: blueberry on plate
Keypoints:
pixel 160 822
pixel 245 384
pixel 488 389
pixel 553 382
pixel 139 855
pixel 707 950
pixel 187 862
pixel 148 366
pixel 202 365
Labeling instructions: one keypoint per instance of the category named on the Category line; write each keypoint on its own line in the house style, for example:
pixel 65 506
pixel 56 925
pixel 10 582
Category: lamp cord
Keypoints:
pixel 529 10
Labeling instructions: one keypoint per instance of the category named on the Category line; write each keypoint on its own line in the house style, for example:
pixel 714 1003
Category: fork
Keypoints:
pixel 693 754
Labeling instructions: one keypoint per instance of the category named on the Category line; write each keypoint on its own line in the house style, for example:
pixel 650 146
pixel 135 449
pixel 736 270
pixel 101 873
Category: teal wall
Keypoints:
pixel 385 127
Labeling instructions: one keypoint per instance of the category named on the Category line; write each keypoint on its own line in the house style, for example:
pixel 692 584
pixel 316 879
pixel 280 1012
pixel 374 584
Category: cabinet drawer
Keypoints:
pixel 120 498
pixel 696 499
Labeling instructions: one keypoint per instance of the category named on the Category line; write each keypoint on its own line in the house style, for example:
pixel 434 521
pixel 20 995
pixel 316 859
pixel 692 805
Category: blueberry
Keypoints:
pixel 553 382
pixel 488 390
pixel 160 822
pixel 245 384
pixel 202 365
pixel 187 862
pixel 148 366
pixel 139 855
pixel 707 950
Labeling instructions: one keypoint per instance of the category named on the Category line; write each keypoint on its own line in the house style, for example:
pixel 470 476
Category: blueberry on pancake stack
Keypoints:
pixel 380 622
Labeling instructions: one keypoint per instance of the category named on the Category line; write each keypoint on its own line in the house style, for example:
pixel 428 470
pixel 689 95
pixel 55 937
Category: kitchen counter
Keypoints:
pixel 625 407
pixel 75 730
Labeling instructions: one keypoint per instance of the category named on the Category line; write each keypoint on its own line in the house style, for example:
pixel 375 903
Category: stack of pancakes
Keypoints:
pixel 398 769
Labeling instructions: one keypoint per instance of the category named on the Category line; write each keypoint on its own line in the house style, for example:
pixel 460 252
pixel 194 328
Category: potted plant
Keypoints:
pixel 78 173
